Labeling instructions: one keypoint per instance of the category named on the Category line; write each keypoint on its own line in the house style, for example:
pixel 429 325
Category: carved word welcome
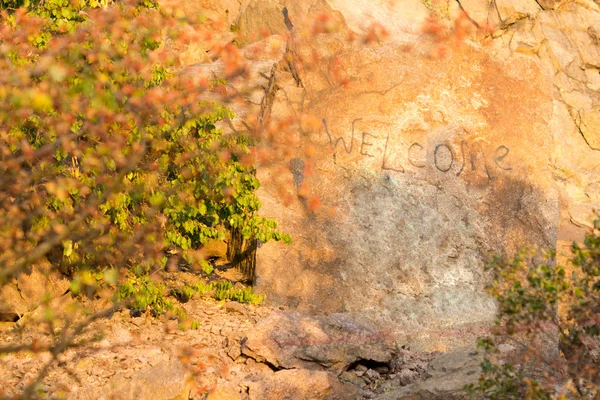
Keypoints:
pixel 445 156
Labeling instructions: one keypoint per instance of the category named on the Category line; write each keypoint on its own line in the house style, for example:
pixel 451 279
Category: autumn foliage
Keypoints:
pixel 111 160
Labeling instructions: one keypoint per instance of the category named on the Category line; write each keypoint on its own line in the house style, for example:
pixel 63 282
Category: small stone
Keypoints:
pixel 225 331
pixel 235 308
pixel 372 374
pixel 505 348
pixel 407 376
pixel 240 360
pixel 361 368
pixel 383 369
pixel 121 334
pixel 171 326
pixel 352 378
pixel 234 352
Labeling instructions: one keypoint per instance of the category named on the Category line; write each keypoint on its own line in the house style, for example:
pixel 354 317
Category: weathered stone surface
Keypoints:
pixel 62 307
pixel 31 288
pixel 262 17
pixel 427 165
pixel 300 384
pixel 477 10
pixel 448 374
pixel 422 168
pixel 590 129
pixel 297 340
pixel 164 381
pixel 513 10
pixel 12 305
pixel 224 391
pixel 39 282
pixel 400 18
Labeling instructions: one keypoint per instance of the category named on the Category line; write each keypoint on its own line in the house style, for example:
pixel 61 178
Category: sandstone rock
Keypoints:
pixel 448 374
pixel 401 19
pixel 593 78
pixel 407 376
pixel 296 340
pixel 224 391
pixel 250 87
pixel 352 377
pixel 549 4
pixel 266 17
pixel 12 305
pixel 226 12
pixel 40 282
pixel 61 307
pixel 212 18
pixel 300 384
pixel 590 128
pixel 271 48
pixel 407 248
pixel 477 10
pixel 234 352
pixel 32 288
pixel 424 167
pixel 166 380
pixel 513 10
pixel 121 334
pixel 235 307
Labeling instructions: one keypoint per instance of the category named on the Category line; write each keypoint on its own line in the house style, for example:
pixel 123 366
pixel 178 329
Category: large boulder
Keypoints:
pixel 297 340
pixel 423 168
pixel 30 289
pixel 424 162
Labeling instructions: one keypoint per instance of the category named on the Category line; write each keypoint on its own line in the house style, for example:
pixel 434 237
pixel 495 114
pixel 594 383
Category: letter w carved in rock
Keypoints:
pixel 333 144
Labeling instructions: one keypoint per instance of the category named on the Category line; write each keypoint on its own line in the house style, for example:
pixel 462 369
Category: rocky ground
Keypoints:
pixel 234 351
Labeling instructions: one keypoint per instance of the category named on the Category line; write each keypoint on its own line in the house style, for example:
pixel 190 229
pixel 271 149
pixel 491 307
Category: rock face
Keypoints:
pixel 425 157
pixel 423 167
pixel 296 340
pixel 260 17
pixel 448 374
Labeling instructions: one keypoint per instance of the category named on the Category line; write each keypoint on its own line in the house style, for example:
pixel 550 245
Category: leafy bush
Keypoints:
pixel 530 292
pixel 143 293
pixel 108 157
pixel 221 290
pixel 105 146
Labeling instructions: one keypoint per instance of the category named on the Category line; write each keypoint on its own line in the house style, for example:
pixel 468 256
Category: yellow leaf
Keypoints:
pixel 41 101
pixel 58 72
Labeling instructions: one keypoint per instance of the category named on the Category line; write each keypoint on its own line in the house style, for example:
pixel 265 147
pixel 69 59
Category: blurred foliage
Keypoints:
pixel 529 291
pixel 113 167
pixel 95 119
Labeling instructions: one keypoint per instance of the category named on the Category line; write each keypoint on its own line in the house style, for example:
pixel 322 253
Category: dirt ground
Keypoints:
pixel 132 356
